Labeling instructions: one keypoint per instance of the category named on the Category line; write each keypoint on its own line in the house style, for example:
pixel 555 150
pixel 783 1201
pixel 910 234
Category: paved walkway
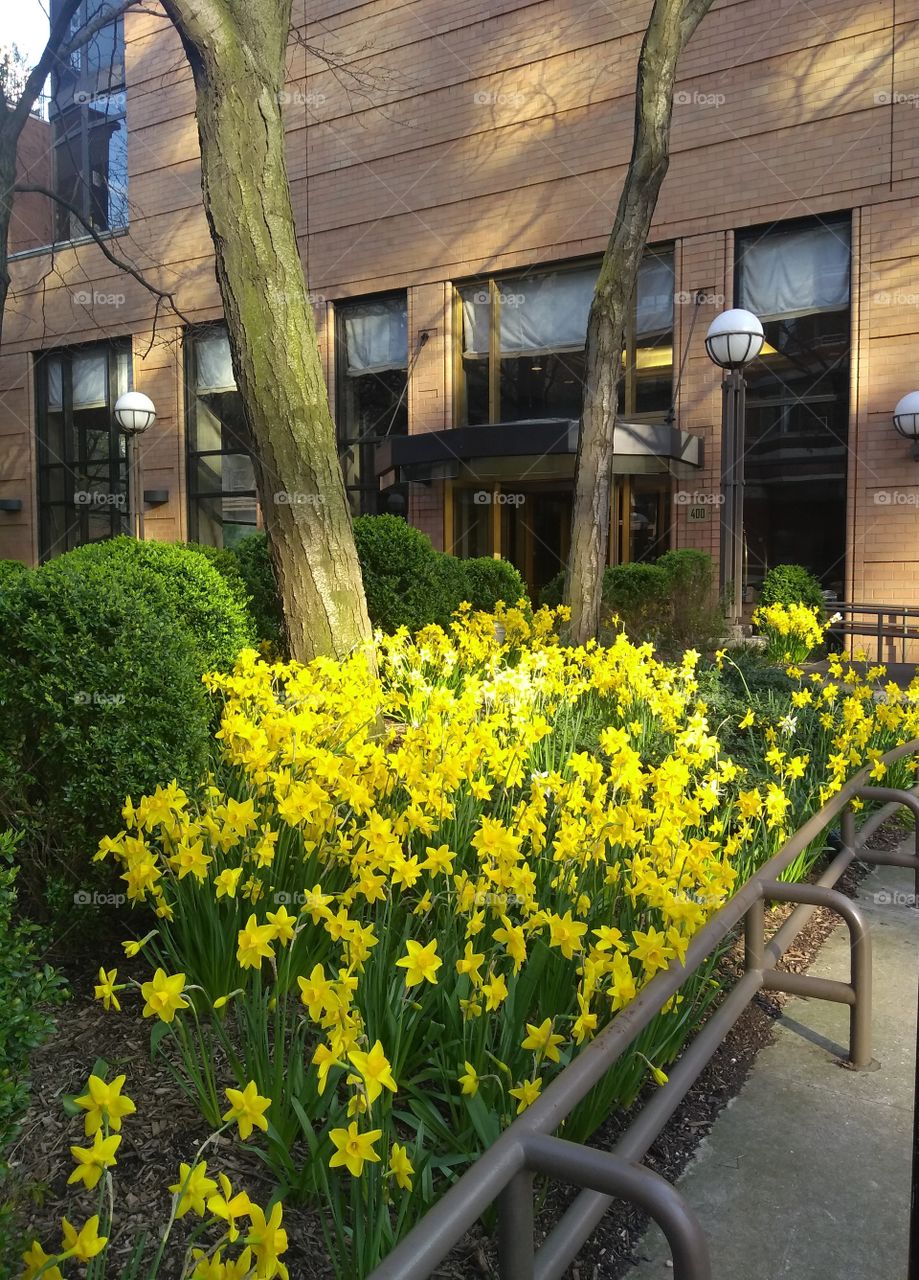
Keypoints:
pixel 806 1173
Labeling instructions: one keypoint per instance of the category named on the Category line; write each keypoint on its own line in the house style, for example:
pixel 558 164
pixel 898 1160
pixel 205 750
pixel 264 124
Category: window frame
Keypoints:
pixel 370 496
pixel 494 283
pixel 193 496
pixel 74 91
pixel 79 514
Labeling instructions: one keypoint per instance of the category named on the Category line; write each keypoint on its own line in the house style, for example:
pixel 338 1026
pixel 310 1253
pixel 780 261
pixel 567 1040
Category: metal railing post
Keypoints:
pixel 516 1259
pixel 857 992
pixel 847 827
pixel 754 936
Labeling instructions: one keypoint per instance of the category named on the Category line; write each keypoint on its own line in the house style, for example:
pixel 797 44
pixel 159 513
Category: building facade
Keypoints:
pixel 454 173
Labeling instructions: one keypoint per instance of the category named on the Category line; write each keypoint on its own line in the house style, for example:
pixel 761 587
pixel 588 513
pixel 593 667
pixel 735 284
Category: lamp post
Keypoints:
pixel 134 413
pixel 906 421
pixel 734 339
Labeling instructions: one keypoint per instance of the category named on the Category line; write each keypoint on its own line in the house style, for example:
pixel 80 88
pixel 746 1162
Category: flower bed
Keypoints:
pixel 400 905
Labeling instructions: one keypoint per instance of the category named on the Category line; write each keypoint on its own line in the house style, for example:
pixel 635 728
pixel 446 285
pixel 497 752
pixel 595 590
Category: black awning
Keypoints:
pixel 438 455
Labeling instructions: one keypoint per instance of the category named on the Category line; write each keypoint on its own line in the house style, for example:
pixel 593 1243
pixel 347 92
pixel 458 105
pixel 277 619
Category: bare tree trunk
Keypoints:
pixel 237 52
pixel 669 30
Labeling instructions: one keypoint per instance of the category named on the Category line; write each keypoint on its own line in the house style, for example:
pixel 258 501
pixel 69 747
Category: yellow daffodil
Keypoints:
pixel 420 962
pixel 193 1189
pixel 164 995
pixel 353 1149
pixel 247 1108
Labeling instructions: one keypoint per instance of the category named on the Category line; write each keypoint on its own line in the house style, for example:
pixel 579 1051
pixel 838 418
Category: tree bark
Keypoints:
pixel 237 51
pixel 671 25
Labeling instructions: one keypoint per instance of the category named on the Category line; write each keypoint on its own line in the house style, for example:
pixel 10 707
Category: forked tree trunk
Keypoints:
pixel 671 25
pixel 237 50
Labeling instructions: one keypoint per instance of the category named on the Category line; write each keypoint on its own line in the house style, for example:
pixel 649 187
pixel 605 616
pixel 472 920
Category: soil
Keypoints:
pixel 167 1127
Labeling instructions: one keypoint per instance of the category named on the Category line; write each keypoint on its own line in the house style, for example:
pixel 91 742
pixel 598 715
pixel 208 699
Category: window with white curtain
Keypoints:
pixel 371 393
pixel 82 477
pixel 222 498
pixel 795 277
pixel 523 338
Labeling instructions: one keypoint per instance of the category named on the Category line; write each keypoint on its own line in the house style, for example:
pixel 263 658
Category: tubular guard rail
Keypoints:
pixel 504 1173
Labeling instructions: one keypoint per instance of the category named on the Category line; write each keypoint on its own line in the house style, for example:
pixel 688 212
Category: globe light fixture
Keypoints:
pixel 134 412
pixel 906 416
pixel 734 338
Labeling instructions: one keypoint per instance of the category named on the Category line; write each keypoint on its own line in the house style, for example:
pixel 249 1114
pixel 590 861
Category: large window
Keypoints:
pixel 371 401
pixel 87 116
pixel 523 339
pixel 82 476
pixel 222 500
pixel 796 279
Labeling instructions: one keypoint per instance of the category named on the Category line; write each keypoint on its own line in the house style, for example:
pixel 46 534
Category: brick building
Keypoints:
pixel 454 179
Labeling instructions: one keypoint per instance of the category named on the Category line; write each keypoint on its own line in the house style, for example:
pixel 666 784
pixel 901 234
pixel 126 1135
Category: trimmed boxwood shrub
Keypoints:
pixel 257 572
pixel 183 583
pixel 792 584
pixel 407 582
pixel 28 988
pixel 100 683
pixel 489 580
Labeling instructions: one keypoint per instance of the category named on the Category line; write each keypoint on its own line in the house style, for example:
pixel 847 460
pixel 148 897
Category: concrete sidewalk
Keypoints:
pixel 807 1172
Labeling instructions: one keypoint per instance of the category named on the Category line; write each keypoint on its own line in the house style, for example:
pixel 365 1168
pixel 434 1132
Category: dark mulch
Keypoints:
pixel 167 1127
pixel 165 1130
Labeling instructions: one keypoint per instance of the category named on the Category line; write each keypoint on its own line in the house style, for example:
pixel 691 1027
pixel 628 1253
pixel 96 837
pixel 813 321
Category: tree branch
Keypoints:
pixel 162 295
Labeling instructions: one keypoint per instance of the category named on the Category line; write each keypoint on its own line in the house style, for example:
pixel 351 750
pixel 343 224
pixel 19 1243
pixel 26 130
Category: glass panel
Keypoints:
pixel 213 363
pixel 476 303
pixel 476 374
pixel 550 386
pixel 108 163
pixel 797 430
pixel 223 421
pixel 375 335
pixel 795 272
pixel 471 523
pixel 89 372
pixel 648 524
pixel 546 313
pixel 654 295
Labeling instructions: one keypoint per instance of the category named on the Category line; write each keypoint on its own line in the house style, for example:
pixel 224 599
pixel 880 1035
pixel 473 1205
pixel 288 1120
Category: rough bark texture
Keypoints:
pixel 237 53
pixel 670 28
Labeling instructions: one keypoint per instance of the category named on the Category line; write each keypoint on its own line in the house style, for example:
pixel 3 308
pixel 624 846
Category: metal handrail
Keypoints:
pixel 895 628
pixel 504 1173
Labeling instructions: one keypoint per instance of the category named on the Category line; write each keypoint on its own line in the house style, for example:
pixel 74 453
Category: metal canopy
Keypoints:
pixel 537 449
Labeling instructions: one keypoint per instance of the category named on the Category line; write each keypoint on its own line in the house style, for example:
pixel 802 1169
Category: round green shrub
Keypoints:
pixel 792 584
pixel 10 571
pixel 552 593
pixel 489 580
pixel 254 561
pixel 407 582
pixel 186 588
pixel 102 696
pixel 227 565
pixel 689 570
